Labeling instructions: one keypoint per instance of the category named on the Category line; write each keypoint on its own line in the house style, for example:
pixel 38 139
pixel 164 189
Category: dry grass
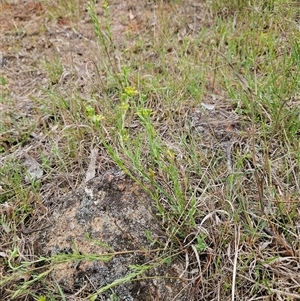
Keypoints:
pixel 197 101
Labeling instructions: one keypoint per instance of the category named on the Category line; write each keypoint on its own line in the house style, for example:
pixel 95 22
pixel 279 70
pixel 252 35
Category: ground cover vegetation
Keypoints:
pixel 197 101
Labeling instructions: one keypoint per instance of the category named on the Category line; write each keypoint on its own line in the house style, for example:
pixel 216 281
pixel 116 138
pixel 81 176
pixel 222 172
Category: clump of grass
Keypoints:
pixel 65 11
pixel 54 70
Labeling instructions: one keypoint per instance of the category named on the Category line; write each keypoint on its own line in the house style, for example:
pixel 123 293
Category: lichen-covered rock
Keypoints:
pixel 110 215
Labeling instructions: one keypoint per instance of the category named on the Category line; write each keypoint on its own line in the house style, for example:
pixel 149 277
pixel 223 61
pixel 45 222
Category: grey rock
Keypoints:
pixel 115 214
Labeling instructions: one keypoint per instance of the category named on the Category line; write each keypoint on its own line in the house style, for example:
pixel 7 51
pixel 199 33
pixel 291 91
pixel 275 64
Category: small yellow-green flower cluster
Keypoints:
pixel 144 113
pixel 124 106
pixel 96 118
pixel 105 4
pixel 130 91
